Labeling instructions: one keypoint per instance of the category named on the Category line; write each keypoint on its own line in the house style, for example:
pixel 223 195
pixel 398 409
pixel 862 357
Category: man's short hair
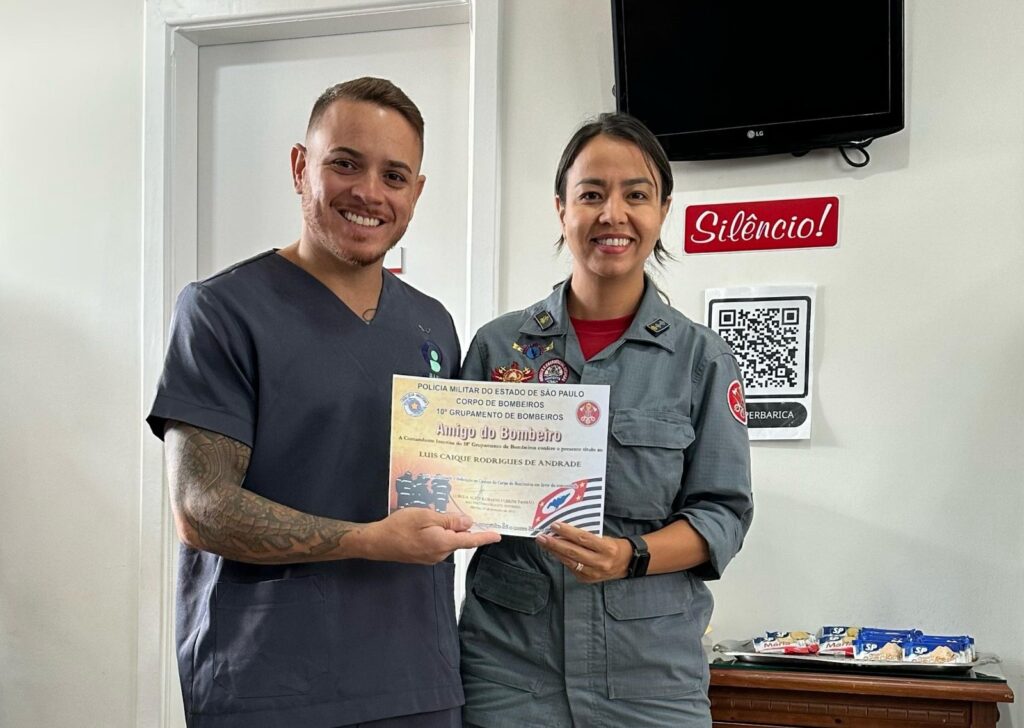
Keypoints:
pixel 372 90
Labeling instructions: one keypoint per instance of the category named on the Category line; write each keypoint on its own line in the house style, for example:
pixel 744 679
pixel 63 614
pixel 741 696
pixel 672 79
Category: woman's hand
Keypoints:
pixel 590 558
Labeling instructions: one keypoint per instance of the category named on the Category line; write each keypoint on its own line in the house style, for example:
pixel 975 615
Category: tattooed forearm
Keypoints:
pixel 214 513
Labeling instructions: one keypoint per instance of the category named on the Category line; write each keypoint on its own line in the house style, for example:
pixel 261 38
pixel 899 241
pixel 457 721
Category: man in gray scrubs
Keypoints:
pixel 300 602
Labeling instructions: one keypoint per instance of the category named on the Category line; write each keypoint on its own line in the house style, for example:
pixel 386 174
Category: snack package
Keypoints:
pixel 884 645
pixel 786 643
pixel 939 649
pixel 837 641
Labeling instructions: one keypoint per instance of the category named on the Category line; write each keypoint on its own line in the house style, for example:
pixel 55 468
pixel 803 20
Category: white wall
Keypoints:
pixel 906 508
pixel 70 221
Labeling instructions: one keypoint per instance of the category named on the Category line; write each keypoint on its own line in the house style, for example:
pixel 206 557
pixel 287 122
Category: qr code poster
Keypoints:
pixel 771 331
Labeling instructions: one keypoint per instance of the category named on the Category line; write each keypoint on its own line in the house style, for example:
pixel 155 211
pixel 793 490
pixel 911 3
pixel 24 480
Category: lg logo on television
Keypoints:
pixel 755 133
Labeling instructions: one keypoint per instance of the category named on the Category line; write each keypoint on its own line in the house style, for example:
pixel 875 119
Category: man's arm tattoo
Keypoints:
pixel 206 470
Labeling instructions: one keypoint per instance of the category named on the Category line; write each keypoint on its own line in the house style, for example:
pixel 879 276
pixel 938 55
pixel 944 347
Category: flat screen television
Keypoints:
pixel 731 78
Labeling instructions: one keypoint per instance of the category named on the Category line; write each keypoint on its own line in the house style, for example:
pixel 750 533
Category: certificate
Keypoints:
pixel 514 457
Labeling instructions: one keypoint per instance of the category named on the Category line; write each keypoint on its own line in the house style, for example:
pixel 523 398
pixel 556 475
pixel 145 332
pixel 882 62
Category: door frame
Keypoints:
pixel 175 30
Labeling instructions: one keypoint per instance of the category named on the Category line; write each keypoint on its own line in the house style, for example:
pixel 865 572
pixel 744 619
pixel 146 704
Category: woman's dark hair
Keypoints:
pixel 627 128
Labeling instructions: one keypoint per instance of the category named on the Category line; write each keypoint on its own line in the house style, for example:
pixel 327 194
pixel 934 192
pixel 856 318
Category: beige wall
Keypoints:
pixel 70 222
pixel 905 508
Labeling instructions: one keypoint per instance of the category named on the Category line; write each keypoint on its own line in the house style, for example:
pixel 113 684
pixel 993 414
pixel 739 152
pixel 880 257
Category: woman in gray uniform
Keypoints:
pixel 575 629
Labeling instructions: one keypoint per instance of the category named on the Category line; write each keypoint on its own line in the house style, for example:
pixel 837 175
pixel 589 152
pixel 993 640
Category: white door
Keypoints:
pixel 254 102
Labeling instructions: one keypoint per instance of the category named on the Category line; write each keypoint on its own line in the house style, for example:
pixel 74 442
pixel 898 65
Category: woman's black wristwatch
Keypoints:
pixel 641 558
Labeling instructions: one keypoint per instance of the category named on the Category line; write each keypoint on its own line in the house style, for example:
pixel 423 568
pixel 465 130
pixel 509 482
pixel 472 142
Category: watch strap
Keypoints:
pixel 641 557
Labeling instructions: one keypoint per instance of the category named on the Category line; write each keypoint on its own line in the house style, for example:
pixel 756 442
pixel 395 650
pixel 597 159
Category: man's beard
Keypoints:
pixel 320 233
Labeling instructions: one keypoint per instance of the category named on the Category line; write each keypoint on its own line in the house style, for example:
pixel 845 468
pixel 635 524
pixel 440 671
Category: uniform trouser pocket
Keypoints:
pixel 652 634
pixel 269 636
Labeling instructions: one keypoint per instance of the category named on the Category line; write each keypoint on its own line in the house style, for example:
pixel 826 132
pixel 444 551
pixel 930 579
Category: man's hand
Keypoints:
pixel 419 536
pixel 590 558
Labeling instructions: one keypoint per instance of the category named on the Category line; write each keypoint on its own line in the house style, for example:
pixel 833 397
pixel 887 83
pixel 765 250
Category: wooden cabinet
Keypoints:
pixel 746 697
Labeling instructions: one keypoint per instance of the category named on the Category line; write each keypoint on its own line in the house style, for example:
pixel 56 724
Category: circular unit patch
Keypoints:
pixel 553 371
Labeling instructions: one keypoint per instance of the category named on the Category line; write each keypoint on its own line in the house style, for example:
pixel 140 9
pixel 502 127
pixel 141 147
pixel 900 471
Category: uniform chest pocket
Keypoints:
pixel 645 462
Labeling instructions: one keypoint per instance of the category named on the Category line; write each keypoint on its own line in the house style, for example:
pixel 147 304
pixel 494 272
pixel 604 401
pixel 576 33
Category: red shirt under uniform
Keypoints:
pixel 595 335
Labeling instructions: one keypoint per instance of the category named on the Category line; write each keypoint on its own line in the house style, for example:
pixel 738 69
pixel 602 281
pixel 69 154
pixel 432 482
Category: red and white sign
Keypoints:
pixel 811 222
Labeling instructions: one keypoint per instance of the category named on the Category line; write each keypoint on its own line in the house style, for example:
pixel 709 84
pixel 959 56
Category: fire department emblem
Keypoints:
pixel 512 373
pixel 588 413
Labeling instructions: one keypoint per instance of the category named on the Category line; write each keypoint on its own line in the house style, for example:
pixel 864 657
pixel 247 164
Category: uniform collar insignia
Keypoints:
pixel 545 320
pixel 657 327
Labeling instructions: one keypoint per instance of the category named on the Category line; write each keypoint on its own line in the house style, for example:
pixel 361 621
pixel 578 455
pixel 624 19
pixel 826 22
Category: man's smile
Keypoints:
pixel 360 220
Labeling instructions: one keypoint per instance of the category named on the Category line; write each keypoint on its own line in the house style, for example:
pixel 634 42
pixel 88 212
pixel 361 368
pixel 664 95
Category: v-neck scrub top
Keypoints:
pixel 540 648
pixel 267 355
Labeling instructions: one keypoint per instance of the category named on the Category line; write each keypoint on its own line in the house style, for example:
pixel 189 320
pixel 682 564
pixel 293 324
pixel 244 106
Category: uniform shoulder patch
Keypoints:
pixel 737 405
